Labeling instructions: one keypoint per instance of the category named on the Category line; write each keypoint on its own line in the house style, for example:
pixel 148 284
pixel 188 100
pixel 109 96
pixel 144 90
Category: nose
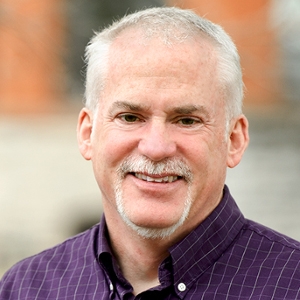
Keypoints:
pixel 157 142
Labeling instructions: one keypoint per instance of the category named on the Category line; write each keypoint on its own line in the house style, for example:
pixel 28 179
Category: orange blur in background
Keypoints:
pixel 32 37
pixel 248 23
pixel 31 69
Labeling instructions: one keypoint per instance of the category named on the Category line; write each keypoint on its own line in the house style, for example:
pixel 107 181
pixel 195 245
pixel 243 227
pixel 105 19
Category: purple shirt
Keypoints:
pixel 226 257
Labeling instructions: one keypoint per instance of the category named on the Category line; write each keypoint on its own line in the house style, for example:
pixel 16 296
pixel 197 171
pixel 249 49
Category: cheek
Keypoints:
pixel 208 157
pixel 110 148
pixel 105 163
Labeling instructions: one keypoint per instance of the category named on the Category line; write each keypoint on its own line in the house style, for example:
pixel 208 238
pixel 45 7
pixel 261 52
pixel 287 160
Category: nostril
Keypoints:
pixel 157 147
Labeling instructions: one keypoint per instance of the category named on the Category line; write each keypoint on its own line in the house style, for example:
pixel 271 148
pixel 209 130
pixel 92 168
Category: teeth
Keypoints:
pixel 172 178
pixel 149 178
pixel 159 180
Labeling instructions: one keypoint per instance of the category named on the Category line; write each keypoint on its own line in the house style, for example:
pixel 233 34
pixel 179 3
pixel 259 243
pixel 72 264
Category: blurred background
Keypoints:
pixel 48 192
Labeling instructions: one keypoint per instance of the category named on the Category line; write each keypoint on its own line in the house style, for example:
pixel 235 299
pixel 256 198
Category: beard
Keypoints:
pixel 142 164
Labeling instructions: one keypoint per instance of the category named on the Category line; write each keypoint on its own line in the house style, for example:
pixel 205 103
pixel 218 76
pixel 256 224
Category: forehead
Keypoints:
pixel 144 66
pixel 135 51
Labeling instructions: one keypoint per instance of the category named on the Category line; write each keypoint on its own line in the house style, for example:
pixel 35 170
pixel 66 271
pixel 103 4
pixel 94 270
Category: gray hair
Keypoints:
pixel 170 24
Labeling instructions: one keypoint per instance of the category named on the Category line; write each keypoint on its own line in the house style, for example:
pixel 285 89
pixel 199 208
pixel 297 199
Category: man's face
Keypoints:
pixel 157 141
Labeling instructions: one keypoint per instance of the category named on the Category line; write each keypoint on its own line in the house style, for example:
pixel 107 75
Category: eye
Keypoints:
pixel 188 121
pixel 129 118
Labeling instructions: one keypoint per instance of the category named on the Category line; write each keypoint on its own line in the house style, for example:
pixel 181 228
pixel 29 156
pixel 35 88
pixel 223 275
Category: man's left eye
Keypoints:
pixel 129 118
pixel 188 121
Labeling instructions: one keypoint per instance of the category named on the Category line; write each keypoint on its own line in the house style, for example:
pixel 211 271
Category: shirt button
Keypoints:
pixel 111 287
pixel 181 287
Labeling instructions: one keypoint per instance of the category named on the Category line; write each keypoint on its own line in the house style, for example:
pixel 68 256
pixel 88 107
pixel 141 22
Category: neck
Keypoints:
pixel 138 258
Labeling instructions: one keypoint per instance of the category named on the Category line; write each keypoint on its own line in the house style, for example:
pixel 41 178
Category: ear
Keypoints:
pixel 238 141
pixel 84 132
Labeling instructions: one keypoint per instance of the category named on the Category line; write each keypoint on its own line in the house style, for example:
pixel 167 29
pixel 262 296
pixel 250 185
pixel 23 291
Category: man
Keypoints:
pixel 162 123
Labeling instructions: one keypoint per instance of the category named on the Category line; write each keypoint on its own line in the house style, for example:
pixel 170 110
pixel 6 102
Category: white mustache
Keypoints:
pixel 141 164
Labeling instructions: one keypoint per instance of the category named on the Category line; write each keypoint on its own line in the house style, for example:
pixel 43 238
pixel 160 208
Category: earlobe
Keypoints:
pixel 238 141
pixel 84 132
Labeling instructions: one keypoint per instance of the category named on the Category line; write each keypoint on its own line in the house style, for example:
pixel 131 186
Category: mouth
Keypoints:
pixel 157 178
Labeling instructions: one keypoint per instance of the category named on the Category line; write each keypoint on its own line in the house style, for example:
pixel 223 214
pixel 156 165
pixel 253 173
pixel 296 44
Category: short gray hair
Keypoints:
pixel 170 24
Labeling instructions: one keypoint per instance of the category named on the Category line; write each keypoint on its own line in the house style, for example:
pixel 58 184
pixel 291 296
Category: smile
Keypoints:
pixel 164 179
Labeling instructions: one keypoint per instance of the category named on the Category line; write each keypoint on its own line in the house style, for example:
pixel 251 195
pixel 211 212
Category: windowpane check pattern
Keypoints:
pixel 225 257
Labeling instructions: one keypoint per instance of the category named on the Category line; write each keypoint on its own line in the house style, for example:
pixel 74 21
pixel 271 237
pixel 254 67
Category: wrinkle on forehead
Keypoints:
pixel 182 109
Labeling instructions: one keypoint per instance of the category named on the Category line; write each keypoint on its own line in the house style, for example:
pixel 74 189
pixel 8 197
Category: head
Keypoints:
pixel 162 87
pixel 172 25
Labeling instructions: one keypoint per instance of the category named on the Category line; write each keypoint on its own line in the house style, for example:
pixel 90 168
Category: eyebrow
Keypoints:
pixel 128 106
pixel 188 109
pixel 182 110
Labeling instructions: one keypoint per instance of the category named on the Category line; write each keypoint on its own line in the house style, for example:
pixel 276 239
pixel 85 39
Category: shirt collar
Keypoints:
pixel 203 246
pixel 103 240
pixel 104 252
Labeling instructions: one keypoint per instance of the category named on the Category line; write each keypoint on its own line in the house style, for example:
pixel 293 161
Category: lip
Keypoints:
pixel 155 186
pixel 164 178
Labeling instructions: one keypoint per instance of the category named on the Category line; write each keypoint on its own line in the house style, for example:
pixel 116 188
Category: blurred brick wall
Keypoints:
pixel 31 69
pixel 248 23
pixel 32 36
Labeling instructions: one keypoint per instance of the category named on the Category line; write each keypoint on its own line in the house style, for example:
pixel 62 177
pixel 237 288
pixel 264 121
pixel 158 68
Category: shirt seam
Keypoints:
pixel 248 226
pixel 57 246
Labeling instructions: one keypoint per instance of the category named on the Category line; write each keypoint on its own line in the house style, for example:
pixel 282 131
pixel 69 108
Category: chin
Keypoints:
pixel 148 232
pixel 154 233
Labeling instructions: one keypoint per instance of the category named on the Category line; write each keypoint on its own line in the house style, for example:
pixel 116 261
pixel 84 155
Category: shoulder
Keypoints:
pixel 260 261
pixel 63 262
pixel 263 234
pixel 62 253
pixel 263 246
